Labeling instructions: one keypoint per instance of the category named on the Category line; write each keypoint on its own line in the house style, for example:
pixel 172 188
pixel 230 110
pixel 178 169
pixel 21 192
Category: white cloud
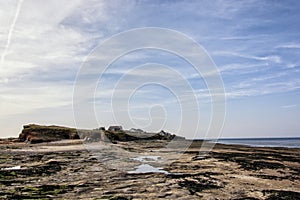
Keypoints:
pixel 36 40
pixel 37 37
pixel 20 99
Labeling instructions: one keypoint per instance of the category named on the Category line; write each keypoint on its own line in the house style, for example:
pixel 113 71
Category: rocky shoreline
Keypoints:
pixel 69 169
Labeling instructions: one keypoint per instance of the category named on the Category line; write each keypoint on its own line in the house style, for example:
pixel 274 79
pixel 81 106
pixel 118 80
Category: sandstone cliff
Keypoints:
pixel 36 133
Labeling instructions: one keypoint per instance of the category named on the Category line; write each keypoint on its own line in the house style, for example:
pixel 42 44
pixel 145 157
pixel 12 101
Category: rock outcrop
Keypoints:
pixel 33 133
pixel 124 135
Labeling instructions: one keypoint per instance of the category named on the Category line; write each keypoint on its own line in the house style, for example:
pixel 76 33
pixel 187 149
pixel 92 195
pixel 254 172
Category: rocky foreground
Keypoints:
pixel 146 169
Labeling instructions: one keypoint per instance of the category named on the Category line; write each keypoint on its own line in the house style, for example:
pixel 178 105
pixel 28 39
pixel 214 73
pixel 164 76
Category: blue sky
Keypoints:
pixel 254 44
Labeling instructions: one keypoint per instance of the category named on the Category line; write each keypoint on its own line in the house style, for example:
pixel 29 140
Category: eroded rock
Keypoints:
pixel 33 133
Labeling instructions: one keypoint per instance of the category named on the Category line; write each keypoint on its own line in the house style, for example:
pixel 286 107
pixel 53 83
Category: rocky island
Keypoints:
pixel 53 162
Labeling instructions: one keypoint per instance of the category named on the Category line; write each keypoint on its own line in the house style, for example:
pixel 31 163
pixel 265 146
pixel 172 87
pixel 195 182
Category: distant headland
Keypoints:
pixel 34 133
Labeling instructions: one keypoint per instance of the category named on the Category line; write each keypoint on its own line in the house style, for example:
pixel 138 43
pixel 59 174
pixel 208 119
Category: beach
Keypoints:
pixel 146 170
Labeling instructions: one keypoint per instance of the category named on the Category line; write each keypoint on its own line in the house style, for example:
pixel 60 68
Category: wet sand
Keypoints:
pixel 146 170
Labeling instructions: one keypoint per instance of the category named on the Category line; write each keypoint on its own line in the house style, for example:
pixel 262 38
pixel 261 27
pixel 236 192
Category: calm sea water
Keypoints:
pixel 264 142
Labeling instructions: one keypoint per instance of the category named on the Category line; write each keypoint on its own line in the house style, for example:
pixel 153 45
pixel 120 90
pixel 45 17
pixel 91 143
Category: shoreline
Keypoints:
pixel 12 140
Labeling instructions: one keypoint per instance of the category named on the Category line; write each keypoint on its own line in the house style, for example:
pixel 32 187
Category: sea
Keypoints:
pixel 263 142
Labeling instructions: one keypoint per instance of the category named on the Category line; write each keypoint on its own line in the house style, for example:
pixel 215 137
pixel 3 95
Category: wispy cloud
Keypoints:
pixel 271 58
pixel 289 46
pixel 11 29
pixel 289 106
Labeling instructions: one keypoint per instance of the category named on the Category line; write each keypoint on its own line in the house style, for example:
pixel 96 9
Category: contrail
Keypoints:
pixel 11 29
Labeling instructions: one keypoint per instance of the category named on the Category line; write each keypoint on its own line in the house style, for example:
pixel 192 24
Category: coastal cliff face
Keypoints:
pixel 36 134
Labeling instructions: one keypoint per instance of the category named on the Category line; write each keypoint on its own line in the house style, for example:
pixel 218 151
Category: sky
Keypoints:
pixel 255 46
